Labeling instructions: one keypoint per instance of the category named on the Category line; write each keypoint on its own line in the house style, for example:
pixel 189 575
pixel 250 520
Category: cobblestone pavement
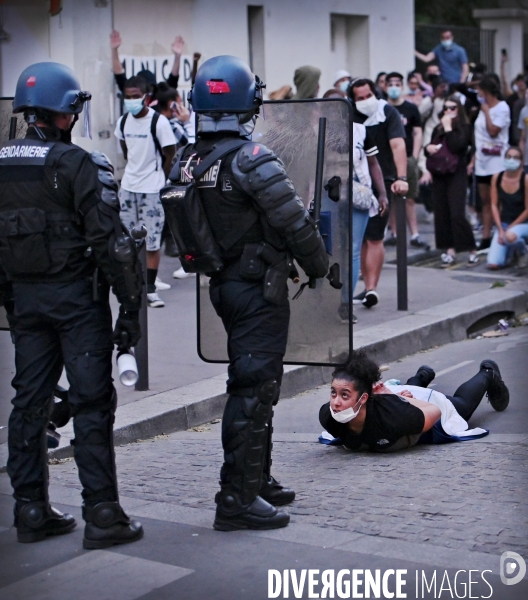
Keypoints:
pixel 468 496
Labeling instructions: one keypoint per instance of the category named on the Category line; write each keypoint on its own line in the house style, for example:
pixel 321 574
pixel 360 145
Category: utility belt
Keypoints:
pixel 262 262
pixel 36 242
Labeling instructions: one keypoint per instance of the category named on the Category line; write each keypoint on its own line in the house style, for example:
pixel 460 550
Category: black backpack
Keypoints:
pixel 153 123
pixel 187 221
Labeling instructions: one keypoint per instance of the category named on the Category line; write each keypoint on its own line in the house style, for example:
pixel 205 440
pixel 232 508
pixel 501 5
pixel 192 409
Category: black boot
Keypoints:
pixel 36 520
pixel 274 493
pixel 498 393
pixel 107 525
pixel 232 515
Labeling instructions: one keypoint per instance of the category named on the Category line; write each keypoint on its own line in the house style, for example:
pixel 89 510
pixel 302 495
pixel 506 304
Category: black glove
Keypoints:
pixel 127 323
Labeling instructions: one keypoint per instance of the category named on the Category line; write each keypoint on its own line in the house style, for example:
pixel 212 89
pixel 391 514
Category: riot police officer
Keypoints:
pixel 258 222
pixel 61 247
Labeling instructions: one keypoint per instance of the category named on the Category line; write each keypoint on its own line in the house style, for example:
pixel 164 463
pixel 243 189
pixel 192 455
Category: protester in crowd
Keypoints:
pixel 381 85
pixel 515 99
pixel 448 152
pixel 149 147
pixel 366 171
pixel 342 80
pixel 418 97
pixel 412 123
pixel 306 80
pixel 452 58
pixel 119 71
pixel 384 125
pixel 366 414
pixel 424 86
pixel 509 207
pixel 491 139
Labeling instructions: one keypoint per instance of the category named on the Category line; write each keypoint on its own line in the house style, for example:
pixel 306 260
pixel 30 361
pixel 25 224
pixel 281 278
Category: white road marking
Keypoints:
pixel 454 367
pixel 104 575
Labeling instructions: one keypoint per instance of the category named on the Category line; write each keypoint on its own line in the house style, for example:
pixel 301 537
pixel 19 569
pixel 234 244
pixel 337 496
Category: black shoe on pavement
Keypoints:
pixel 498 393
pixel 359 298
pixel 274 493
pixel 426 375
pixel 484 243
pixel 36 520
pixel 371 299
pixel 418 243
pixel 108 525
pixel 260 515
pixel 390 241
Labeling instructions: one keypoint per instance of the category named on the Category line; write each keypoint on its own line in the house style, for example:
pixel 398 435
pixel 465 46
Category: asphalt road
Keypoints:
pixel 430 510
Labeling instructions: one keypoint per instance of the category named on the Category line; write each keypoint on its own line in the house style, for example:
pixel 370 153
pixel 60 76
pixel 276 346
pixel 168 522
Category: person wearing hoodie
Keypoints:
pixel 306 80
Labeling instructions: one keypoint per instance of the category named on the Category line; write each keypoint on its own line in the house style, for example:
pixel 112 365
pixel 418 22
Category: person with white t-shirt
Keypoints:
pixel 491 142
pixel 147 169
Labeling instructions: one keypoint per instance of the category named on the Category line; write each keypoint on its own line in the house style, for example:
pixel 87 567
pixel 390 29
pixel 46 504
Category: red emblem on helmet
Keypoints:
pixel 31 81
pixel 218 87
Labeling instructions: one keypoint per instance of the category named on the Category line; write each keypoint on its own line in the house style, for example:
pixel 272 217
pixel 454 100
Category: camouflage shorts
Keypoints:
pixel 143 209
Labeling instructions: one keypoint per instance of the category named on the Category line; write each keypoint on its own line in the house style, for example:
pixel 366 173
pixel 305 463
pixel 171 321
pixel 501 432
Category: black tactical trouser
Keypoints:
pixel 56 324
pixel 257 335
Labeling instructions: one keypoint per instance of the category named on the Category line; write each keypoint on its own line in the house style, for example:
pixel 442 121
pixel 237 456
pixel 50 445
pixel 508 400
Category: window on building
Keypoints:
pixel 349 43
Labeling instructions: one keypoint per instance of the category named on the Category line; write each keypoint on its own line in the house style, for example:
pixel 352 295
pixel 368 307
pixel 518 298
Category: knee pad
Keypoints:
pixel 250 370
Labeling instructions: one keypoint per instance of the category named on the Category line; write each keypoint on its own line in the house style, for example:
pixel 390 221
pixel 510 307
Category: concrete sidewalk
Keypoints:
pixel 185 392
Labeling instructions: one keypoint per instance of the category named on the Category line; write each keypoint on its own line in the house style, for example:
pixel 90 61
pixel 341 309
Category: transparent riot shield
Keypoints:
pixel 319 332
pixel 11 126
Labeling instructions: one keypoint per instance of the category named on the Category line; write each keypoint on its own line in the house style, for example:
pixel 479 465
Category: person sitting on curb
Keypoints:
pixel 365 414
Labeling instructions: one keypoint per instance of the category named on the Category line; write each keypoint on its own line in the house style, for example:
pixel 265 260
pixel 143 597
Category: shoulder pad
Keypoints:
pixel 102 161
pixel 252 155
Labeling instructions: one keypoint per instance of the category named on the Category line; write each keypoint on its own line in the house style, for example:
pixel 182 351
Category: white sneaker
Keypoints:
pixel 154 301
pixel 161 286
pixel 181 274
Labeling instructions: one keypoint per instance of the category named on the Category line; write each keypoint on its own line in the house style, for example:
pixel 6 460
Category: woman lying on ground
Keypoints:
pixel 365 414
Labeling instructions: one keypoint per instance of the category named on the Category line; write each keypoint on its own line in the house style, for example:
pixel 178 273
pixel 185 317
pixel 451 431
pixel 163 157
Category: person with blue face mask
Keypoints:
pixel 412 123
pixel 451 57
pixel 509 208
pixel 149 160
pixel 342 80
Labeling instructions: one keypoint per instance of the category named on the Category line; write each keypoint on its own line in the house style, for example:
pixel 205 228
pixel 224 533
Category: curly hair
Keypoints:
pixel 359 370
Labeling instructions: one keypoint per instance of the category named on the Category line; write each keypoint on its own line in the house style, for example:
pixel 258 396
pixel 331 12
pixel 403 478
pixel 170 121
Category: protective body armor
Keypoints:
pixel 40 236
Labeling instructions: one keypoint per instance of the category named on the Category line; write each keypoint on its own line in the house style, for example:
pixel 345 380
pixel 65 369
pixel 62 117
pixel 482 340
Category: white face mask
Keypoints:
pixel 367 107
pixel 345 416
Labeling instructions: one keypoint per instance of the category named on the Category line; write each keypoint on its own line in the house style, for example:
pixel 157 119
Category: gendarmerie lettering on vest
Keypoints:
pixel 209 179
pixel 24 152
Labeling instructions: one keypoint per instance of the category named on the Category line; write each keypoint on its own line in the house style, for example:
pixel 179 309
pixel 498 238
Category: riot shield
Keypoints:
pixel 10 128
pixel 320 168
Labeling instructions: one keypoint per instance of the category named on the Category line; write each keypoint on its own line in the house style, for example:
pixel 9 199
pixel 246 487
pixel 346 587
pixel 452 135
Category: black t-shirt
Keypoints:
pixel 388 420
pixel 381 133
pixel 410 118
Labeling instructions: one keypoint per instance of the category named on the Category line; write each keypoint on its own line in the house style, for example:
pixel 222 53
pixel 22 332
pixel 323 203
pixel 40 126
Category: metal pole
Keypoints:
pixel 401 251
pixel 12 128
pixel 318 192
pixel 141 350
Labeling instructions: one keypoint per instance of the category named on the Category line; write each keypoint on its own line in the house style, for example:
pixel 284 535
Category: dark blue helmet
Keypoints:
pixel 51 86
pixel 225 84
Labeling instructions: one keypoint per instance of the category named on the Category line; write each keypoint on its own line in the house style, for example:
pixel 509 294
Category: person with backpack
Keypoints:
pixel 149 146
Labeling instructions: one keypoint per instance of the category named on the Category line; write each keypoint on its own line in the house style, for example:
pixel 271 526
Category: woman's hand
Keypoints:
pixel 383 205
pixel 447 123
pixel 426 178
pixel 470 168
pixel 432 149
pixel 406 394
pixel 501 237
pixel 181 112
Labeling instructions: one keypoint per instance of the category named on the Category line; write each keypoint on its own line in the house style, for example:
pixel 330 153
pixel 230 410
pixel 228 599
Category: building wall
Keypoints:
pixel 363 36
